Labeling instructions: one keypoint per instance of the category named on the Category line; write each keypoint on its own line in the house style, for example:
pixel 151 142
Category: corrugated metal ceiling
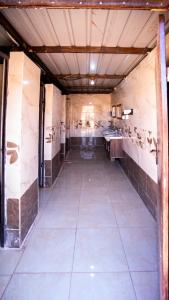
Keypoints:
pixel 87 27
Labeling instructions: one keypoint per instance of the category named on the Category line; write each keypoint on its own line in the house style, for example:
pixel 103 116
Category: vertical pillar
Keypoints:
pixel 52 133
pixel 162 125
pixel 21 179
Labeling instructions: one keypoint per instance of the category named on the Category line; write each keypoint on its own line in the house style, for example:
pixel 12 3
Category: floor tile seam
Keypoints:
pixel 80 272
pixel 6 287
pixel 74 249
pixel 127 264
pixel 12 275
pixel 131 226
pixel 91 228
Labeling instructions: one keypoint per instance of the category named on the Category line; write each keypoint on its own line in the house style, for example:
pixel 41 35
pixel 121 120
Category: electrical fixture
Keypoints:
pixel 126 113
pixel 92 66
pixel 25 82
pixel 92 82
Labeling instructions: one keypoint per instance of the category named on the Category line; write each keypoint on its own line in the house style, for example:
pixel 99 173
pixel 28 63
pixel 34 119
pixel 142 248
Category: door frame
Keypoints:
pixel 41 162
pixel 3 147
pixel 162 137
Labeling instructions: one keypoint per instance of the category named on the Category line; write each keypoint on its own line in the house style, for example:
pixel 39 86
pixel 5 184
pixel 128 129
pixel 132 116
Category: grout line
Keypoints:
pixel 97 272
pixel 127 263
pixel 12 275
pixel 74 245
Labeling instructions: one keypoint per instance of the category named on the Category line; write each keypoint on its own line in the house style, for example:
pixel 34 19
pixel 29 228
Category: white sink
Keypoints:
pixel 113 137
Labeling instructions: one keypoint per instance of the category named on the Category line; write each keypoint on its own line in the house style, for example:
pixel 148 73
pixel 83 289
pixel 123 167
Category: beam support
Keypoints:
pixel 69 77
pixel 162 155
pixel 95 4
pixel 86 49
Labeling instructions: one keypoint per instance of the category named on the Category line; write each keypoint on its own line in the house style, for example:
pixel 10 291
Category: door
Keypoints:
pixel 162 126
pixel 41 134
pixel 3 95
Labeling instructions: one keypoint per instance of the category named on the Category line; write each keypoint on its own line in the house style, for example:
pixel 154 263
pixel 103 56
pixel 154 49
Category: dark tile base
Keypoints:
pixel 21 214
pixel 29 208
pixel 79 142
pixel 13 213
pixel 145 186
pixel 67 144
pixel 52 168
pixel 12 238
pixel 62 151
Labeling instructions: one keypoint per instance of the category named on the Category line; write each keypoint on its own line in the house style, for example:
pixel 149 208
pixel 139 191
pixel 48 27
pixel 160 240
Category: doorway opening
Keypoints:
pixel 41 134
pixel 3 96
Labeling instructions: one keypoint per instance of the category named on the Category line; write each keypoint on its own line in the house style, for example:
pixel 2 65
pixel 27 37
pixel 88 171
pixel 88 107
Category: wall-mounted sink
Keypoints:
pixel 108 138
pixel 111 134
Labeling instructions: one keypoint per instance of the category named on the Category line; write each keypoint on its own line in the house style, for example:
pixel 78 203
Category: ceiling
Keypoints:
pixel 86 27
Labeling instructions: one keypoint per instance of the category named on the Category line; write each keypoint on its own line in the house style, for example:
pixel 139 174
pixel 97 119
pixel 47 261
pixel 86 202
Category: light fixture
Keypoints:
pixel 128 111
pixel 92 82
pixel 25 82
pixel 92 67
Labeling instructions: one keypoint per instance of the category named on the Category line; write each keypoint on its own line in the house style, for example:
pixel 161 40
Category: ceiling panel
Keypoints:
pixel 21 22
pixel 85 27
pixel 133 27
pixel 50 63
pixel 41 20
pixel 83 62
pixel 126 63
pixel 117 19
pixel 79 32
pixel 60 23
pixel 98 26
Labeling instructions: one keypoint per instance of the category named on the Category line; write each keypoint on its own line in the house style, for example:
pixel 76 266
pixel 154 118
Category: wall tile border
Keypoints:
pixel 147 188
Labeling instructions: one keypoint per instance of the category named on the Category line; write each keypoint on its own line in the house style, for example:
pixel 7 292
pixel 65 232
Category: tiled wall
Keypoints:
pixel 53 119
pixel 138 91
pixel 89 116
pixel 21 188
pixel 143 183
pixel 63 127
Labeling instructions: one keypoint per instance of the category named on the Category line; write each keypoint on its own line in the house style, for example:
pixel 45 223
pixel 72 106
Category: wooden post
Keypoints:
pixel 162 126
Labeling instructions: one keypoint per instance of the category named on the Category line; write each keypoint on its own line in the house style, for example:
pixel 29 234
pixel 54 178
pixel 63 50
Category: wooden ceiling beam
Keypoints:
pixel 89 88
pixel 23 46
pixel 68 77
pixel 96 4
pixel 87 49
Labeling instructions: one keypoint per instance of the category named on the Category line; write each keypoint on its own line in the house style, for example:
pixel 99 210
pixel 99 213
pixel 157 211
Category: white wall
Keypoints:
pixel 89 114
pixel 53 115
pixel 138 91
pixel 22 121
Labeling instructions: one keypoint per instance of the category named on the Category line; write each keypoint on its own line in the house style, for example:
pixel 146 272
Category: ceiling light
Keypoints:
pixel 100 2
pixel 25 82
pixel 92 82
pixel 92 67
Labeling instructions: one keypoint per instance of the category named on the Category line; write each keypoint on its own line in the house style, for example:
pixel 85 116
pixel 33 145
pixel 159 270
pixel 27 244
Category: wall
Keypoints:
pixel 22 121
pixel 138 91
pixel 63 127
pixel 89 115
pixel 52 145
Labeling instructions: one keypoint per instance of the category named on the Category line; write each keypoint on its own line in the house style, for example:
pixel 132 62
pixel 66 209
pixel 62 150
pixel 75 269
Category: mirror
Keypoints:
pixel 119 111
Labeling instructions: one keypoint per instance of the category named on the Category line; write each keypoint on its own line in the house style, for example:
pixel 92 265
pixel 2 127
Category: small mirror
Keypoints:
pixel 114 111
pixel 119 111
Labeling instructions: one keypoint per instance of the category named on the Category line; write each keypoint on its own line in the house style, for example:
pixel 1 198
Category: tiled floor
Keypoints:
pixel 93 239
